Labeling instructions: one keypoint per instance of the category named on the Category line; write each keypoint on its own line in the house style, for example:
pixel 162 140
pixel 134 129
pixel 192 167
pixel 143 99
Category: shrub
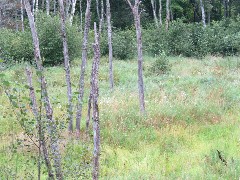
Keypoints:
pixel 160 66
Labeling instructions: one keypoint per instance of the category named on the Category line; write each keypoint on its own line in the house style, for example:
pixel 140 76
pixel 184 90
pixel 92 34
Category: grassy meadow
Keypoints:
pixel 192 112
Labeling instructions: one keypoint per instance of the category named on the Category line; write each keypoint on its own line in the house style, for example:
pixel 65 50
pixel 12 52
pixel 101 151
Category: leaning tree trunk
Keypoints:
pixel 136 14
pixel 72 11
pixel 160 13
pixel 203 13
pixel 49 111
pixel 96 126
pixel 66 66
pixel 110 53
pixel 167 14
pixel 153 3
pixel 48 7
pixel 37 115
pixel 22 17
pixel 83 67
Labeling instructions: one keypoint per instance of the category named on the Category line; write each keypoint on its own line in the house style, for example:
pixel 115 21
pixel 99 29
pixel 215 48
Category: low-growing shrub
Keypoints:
pixel 160 66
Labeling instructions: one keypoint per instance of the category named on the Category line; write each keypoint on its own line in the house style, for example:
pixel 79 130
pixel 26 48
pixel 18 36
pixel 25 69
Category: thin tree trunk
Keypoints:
pixel 72 11
pixel 43 4
pixel 33 6
pixel 153 3
pixel 110 53
pixel 96 126
pixel 37 116
pixel 36 6
pixel 160 13
pixel 102 18
pixel 83 67
pixel 48 6
pixel 68 4
pixel 49 111
pixel 209 17
pixel 203 13
pixel 22 18
pixel 81 16
pixel 54 7
pixel 167 14
pixel 66 66
pixel 225 6
pixel 97 7
pixel 136 14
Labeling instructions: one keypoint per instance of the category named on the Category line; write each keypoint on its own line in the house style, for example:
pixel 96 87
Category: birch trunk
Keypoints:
pixel 22 18
pixel 54 7
pixel 49 111
pixel 136 14
pixel 110 53
pixel 83 67
pixel 66 66
pixel 102 18
pixel 153 3
pixel 68 4
pixel 203 13
pixel 36 6
pixel 160 13
pixel 72 11
pixel 97 7
pixel 48 7
pixel 96 126
pixel 33 6
pixel 37 116
pixel 167 14
pixel 81 18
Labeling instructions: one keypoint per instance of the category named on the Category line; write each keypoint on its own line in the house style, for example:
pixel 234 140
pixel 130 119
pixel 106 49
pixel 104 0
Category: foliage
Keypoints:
pixel 160 66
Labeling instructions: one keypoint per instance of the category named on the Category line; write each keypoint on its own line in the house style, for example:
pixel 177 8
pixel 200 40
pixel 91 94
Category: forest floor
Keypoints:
pixel 191 129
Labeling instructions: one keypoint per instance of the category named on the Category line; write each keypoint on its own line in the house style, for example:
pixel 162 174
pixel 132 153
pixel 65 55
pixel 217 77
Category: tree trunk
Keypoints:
pixel 97 7
pixel 110 53
pixel 167 14
pixel 102 18
pixel 54 7
pixel 22 18
pixel 209 17
pixel 153 3
pixel 33 6
pixel 203 13
pixel 49 111
pixel 37 116
pixel 225 6
pixel 96 126
pixel 136 14
pixel 36 6
pixel 81 18
pixel 83 66
pixel 48 6
pixel 160 13
pixel 72 11
pixel 66 66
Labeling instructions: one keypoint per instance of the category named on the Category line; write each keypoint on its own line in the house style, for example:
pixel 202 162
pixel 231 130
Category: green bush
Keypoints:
pixel 160 66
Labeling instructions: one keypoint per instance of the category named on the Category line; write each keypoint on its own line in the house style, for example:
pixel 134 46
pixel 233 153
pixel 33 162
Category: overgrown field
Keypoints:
pixel 192 113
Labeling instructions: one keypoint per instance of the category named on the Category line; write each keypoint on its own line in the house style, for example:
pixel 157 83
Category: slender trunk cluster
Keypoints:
pixel 96 126
pixel 66 66
pixel 48 108
pixel 83 66
pixel 136 14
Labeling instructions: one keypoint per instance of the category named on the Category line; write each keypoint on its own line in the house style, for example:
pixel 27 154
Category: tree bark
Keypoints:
pixel 66 66
pixel 102 18
pixel 54 7
pixel 203 13
pixel 72 11
pixel 36 6
pixel 153 3
pixel 37 116
pixel 97 7
pixel 83 67
pixel 22 17
pixel 110 53
pixel 96 126
pixel 160 13
pixel 33 6
pixel 48 7
pixel 81 17
pixel 167 14
pixel 136 14
pixel 48 108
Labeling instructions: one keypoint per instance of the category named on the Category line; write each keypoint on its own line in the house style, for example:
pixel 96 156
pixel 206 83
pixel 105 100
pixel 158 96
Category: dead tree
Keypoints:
pixel 83 66
pixel 95 93
pixel 48 107
pixel 37 115
pixel 110 53
pixel 66 66
pixel 137 14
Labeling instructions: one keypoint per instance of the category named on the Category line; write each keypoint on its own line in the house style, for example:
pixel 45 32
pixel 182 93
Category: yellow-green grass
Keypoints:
pixel 192 112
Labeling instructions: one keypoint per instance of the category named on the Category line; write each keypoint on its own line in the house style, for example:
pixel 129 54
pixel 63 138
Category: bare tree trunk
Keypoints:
pixel 36 6
pixel 54 7
pixel 83 67
pixel 81 17
pixel 22 18
pixel 153 3
pixel 203 13
pixel 33 6
pixel 68 4
pixel 72 11
pixel 66 66
pixel 43 4
pixel 96 126
pixel 110 53
pixel 97 6
pixel 209 17
pixel 136 14
pixel 49 111
pixel 167 14
pixel 102 18
pixel 37 115
pixel 160 13
pixel 48 6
